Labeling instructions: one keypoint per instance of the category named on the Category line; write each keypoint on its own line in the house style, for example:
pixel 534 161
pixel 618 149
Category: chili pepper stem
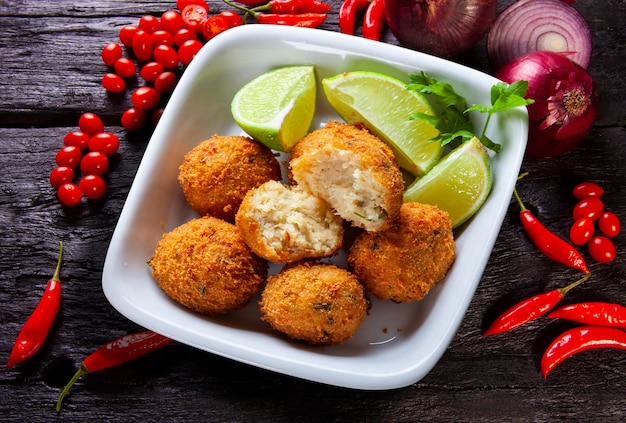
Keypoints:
pixel 247 11
pixel 568 288
pixel 519 200
pixel 57 271
pixel 81 371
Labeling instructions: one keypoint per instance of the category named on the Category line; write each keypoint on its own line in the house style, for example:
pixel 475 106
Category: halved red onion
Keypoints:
pixel 539 25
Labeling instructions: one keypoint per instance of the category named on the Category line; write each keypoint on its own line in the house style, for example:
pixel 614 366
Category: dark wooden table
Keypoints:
pixel 50 72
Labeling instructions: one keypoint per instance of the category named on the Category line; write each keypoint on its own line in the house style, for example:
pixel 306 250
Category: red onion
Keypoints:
pixel 539 25
pixel 443 28
pixel 566 101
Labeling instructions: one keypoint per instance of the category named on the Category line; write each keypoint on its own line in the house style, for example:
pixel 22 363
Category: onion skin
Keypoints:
pixel 566 101
pixel 443 28
pixel 539 25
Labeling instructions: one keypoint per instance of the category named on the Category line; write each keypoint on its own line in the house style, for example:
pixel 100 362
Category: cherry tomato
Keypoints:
pixel 188 51
pixel 113 82
pixel 151 70
pixel 156 116
pixel 214 25
pixel 142 46
pixel 581 231
pixel 95 163
pixel 69 194
pixel 166 56
pixel 68 156
pixel 145 98
pixel 181 4
pixel 149 23
pixel 183 35
pixel 165 82
pixel 587 189
pixel 104 142
pixel 609 224
pixel 90 124
pixel 110 53
pixel 61 175
pixel 125 67
pixel 602 249
pixel 92 186
pixel 590 207
pixel 76 138
pixel 171 21
pixel 134 119
pixel 127 33
pixel 233 19
pixel 161 37
pixel 193 16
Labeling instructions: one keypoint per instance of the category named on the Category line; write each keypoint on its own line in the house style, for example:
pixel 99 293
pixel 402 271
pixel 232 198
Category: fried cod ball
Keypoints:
pixel 217 173
pixel 405 261
pixel 320 304
pixel 353 171
pixel 285 224
pixel 204 265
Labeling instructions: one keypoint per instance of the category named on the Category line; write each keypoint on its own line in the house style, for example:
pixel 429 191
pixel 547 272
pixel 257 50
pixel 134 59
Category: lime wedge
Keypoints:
pixel 277 107
pixel 459 184
pixel 384 106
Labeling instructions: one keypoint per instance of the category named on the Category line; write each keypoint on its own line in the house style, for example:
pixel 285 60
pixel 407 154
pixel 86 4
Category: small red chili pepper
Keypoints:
pixel 35 330
pixel 348 12
pixel 292 7
pixel 116 352
pixel 547 242
pixel 580 339
pixel 308 20
pixel 592 313
pixel 530 309
pixel 374 20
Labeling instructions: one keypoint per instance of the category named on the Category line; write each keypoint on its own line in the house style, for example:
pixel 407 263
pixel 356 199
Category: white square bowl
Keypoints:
pixel 397 344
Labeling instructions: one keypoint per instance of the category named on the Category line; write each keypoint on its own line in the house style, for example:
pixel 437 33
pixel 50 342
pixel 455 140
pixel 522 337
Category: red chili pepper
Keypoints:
pixel 548 243
pixel 580 339
pixel 374 20
pixel 292 7
pixel 530 309
pixel 35 330
pixel 593 313
pixel 308 20
pixel 116 352
pixel 348 12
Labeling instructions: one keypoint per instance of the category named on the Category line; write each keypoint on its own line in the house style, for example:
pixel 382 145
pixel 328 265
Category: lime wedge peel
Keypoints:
pixel 277 107
pixel 384 105
pixel 458 184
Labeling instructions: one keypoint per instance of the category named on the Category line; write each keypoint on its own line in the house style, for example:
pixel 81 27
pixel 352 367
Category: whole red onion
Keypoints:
pixel 443 28
pixel 566 101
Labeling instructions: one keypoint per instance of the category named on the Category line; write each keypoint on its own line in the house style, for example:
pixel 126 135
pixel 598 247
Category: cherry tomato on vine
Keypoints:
pixel 68 156
pixel 609 224
pixel 587 189
pixel 76 138
pixel 110 53
pixel 145 98
pixel 69 194
pixel 182 35
pixel 61 175
pixel 165 82
pixel 602 249
pixel 590 207
pixel 113 82
pixel 181 4
pixel 166 56
pixel 125 67
pixel 92 186
pixel 171 21
pixel 581 231
pixel 194 15
pixel 214 25
pixel 95 163
pixel 90 124
pixel 142 46
pixel 149 23
pixel 233 19
pixel 104 142
pixel 134 119
pixel 126 34
pixel 188 51
pixel 161 37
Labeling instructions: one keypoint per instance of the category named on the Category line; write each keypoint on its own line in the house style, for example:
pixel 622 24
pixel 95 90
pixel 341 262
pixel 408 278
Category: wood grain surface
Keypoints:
pixel 50 71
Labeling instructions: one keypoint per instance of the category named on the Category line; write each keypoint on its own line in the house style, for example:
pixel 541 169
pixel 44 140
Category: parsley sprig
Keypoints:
pixel 453 121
